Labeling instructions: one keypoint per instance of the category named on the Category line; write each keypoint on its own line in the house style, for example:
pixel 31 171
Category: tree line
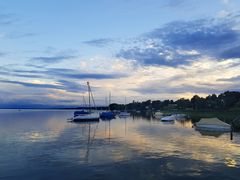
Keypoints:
pixel 223 101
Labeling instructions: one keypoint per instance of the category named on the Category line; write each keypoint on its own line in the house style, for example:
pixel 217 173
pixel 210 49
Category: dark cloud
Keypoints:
pixel 73 74
pixel 34 85
pixel 157 56
pixel 233 79
pixel 20 73
pixel 231 53
pixel 99 42
pixel 52 59
pixel 62 85
pixel 199 34
pixel 72 86
pixel 57 73
pixel 172 44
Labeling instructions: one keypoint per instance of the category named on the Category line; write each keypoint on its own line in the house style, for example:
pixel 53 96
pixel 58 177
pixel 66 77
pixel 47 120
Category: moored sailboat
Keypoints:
pixel 87 116
pixel 107 114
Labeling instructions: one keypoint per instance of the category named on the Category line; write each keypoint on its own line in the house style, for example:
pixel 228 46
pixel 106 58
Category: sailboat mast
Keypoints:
pixel 109 101
pixel 125 108
pixel 89 97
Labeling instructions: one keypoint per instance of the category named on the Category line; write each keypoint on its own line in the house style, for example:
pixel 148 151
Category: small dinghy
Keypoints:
pixel 124 114
pixel 107 115
pixel 212 124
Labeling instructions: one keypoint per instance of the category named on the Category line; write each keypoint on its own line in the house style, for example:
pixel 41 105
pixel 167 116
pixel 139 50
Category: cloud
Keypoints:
pixel 231 53
pixel 20 73
pixel 217 38
pixel 60 85
pixel 158 56
pixel 52 59
pixel 74 74
pixel 232 79
pixel 46 73
pixel 34 85
pixel 99 42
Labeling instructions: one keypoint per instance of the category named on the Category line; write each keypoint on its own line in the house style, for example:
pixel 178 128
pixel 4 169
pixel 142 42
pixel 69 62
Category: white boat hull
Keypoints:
pixel 124 114
pixel 208 127
pixel 168 118
pixel 88 117
pixel 212 124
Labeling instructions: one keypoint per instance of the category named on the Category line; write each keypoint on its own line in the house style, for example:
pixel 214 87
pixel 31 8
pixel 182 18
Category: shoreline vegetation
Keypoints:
pixel 225 106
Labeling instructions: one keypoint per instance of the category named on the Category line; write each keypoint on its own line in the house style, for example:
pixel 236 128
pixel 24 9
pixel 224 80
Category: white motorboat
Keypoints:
pixel 212 124
pixel 124 114
pixel 168 118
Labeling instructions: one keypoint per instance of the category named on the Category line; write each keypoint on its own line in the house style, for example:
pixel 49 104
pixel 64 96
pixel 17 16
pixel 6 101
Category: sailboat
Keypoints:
pixel 82 111
pixel 124 113
pixel 83 117
pixel 107 115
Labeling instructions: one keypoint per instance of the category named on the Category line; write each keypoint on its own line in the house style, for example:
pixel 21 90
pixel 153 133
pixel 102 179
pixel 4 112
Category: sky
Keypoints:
pixel 138 49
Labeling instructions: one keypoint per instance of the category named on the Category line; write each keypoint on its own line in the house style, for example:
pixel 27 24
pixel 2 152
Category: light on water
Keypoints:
pixel 42 144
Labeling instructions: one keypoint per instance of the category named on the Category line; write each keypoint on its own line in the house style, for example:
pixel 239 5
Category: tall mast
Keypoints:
pixel 89 97
pixel 125 108
pixel 109 101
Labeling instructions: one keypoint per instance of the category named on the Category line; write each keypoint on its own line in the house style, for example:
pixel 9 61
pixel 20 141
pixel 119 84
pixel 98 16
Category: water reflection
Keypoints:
pixel 33 139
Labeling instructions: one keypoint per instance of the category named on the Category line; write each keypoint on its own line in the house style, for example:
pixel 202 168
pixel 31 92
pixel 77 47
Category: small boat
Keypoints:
pixel 86 118
pixel 212 124
pixel 168 118
pixel 82 112
pixel 107 115
pixel 158 115
pixel 83 116
pixel 124 113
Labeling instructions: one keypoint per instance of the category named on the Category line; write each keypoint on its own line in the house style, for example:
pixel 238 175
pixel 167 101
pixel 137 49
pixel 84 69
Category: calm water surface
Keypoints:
pixel 41 144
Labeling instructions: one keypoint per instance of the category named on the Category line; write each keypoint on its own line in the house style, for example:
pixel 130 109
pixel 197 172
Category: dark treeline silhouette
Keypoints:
pixel 224 101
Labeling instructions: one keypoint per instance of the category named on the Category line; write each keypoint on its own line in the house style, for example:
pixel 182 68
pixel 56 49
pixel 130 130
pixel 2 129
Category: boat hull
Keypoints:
pixel 168 118
pixel 208 127
pixel 85 118
pixel 124 114
pixel 107 115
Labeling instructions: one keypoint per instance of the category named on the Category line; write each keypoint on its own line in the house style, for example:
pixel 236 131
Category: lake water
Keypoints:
pixel 41 144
